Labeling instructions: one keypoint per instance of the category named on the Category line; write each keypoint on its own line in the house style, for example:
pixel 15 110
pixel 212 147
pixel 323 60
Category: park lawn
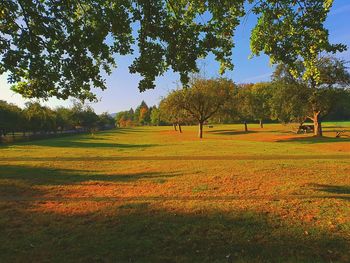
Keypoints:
pixel 150 194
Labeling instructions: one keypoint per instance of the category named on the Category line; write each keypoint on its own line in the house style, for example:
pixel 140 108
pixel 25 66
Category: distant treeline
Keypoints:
pixel 36 120
pixel 259 102
pixel 142 115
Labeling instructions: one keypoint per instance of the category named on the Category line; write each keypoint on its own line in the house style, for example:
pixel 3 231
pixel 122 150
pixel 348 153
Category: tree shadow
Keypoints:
pixel 229 132
pixel 334 189
pixel 314 140
pixel 140 232
pixel 77 140
pixel 91 144
pixel 28 175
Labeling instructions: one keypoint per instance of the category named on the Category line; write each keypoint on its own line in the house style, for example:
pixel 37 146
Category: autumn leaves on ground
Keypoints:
pixel 150 194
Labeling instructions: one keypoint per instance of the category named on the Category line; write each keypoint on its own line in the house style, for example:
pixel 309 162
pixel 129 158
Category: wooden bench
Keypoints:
pixel 306 128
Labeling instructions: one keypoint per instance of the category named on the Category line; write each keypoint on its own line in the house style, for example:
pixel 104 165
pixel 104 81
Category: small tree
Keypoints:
pixel 259 102
pixel 241 104
pixel 171 111
pixel 203 99
pixel 155 116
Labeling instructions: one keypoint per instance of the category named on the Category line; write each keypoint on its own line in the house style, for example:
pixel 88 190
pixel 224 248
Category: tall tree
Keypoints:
pixel 58 48
pixel 333 73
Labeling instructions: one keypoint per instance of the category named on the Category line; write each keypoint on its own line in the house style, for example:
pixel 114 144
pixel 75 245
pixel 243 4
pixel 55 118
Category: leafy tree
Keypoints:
pixel 240 106
pixel 260 102
pixel 10 118
pixel 142 114
pixel 332 73
pixel 124 118
pixel 155 116
pixel 84 117
pixel 105 121
pixel 171 111
pixel 341 109
pixel 289 102
pixel 252 102
pixel 39 118
pixel 64 119
pixel 203 99
pixel 58 48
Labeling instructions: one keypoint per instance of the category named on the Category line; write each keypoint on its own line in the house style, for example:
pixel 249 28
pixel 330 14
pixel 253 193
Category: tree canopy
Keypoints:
pixel 308 98
pixel 201 100
pixel 61 48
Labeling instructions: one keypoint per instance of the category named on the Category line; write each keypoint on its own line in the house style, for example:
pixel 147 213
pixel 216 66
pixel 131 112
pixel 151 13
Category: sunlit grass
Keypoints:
pixel 150 194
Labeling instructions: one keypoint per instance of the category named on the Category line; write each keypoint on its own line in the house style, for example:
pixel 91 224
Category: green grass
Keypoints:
pixel 149 194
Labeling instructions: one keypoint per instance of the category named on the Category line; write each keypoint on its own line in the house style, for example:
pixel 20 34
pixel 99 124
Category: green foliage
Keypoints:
pixel 142 114
pixel 10 117
pixel 297 98
pixel 58 48
pixel 252 102
pixel 289 30
pixel 37 118
pixel 155 117
pixel 203 98
pixel 289 102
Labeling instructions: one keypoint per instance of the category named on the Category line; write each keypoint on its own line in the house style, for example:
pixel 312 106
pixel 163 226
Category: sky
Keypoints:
pixel 122 87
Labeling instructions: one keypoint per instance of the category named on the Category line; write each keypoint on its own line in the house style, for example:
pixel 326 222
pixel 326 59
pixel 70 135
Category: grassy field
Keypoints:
pixel 149 194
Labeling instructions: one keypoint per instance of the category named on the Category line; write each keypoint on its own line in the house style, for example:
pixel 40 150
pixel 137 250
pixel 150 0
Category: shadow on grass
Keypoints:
pixel 78 140
pixel 230 132
pixel 315 140
pixel 27 175
pixel 139 232
pixel 334 189
pixel 90 144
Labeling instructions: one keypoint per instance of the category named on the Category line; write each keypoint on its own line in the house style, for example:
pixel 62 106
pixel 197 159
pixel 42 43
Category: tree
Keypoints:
pixel 84 117
pixel 289 102
pixel 105 121
pixel 64 119
pixel 143 114
pixel 155 116
pixel 58 48
pixel 171 111
pixel 333 73
pixel 39 118
pixel 125 118
pixel 260 102
pixel 10 118
pixel 203 99
pixel 240 107
pixel 340 110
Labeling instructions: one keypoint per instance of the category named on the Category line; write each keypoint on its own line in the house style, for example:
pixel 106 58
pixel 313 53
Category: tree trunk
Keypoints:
pixel 180 130
pixel 200 132
pixel 317 124
pixel 261 124
pixel 175 127
pixel 245 126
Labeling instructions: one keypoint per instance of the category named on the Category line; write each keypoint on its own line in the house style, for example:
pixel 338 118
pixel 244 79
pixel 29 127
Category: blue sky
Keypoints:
pixel 122 92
